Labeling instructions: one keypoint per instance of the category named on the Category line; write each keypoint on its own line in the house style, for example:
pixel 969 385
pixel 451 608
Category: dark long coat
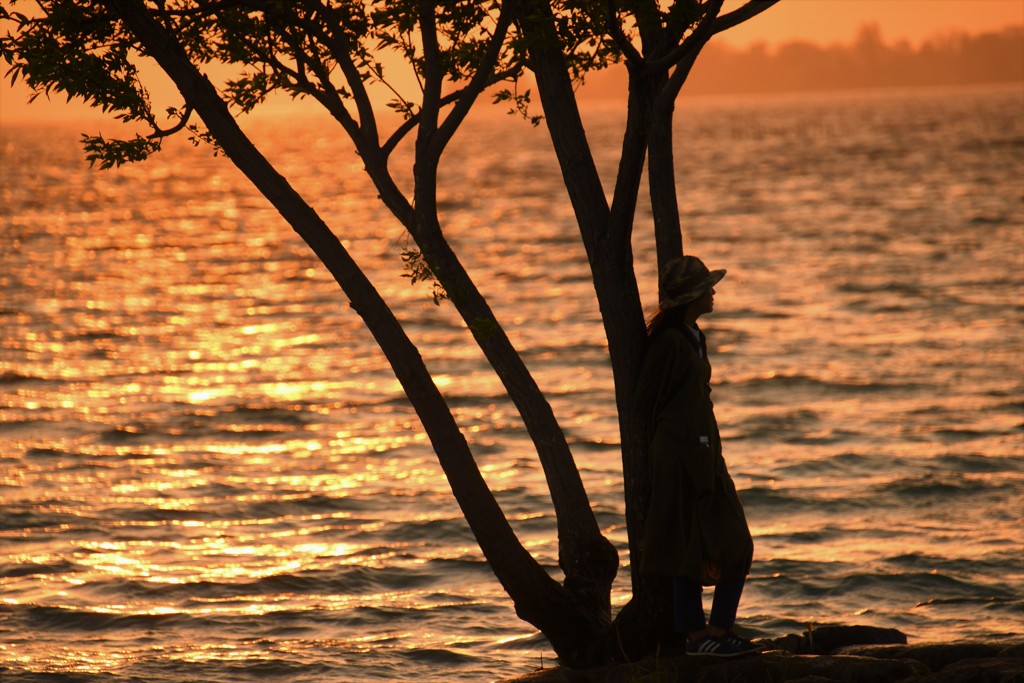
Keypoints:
pixel 695 524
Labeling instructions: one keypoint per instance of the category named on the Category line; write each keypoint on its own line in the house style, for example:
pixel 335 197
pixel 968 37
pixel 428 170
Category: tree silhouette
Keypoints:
pixel 334 53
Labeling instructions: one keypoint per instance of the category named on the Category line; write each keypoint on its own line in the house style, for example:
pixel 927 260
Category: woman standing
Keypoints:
pixel 696 531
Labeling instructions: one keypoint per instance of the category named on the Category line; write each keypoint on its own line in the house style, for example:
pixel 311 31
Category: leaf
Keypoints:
pixel 418 270
pixel 114 153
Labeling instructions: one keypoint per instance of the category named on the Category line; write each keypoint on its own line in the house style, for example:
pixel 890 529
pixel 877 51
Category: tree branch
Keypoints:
pixel 160 133
pixel 738 16
pixel 482 77
pixel 341 51
pixel 633 57
pixel 588 560
pixel 410 123
pixel 693 42
pixel 432 75
pixel 648 16
pixel 548 63
pixel 363 132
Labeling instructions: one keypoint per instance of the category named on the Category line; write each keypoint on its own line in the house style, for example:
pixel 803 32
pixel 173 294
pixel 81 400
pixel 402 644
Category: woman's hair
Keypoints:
pixel 665 318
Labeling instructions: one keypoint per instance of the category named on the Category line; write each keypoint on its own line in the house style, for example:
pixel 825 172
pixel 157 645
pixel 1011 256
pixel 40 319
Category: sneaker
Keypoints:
pixel 741 645
pixel 709 646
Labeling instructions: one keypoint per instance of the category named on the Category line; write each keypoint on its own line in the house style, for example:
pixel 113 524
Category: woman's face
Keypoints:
pixel 705 303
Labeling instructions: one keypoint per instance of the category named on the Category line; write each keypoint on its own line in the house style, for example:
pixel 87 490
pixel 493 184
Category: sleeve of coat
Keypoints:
pixel 669 389
pixel 659 373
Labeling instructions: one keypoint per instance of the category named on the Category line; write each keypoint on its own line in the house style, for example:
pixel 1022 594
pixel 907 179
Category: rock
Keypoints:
pixel 1012 649
pixel 768 667
pixel 559 674
pixel 995 661
pixel 995 670
pixel 826 639
pixel 808 668
pixel 935 656
pixel 792 642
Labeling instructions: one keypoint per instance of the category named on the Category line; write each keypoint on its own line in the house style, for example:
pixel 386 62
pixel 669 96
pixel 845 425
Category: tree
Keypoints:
pixel 333 53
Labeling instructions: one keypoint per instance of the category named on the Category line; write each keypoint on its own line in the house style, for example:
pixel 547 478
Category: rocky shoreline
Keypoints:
pixel 852 654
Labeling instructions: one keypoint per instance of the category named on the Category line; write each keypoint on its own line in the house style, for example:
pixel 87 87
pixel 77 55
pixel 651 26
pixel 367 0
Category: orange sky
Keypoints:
pixel 832 21
pixel 822 21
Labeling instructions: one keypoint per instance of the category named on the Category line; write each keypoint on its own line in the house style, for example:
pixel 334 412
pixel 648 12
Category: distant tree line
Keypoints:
pixel 953 59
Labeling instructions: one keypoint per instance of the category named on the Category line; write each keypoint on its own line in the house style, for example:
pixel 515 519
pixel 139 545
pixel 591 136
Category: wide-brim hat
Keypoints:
pixel 686 279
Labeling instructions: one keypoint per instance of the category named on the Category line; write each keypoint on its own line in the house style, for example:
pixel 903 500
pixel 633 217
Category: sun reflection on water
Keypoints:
pixel 201 445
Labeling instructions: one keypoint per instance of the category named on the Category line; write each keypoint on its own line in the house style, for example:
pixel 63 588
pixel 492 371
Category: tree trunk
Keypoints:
pixel 661 178
pixel 538 599
pixel 588 560
pixel 606 233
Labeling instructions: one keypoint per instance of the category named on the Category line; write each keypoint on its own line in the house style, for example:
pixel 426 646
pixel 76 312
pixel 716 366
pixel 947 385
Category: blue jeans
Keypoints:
pixel 689 607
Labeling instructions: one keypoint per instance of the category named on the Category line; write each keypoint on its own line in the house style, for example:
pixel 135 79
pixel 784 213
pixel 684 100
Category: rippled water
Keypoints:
pixel 208 472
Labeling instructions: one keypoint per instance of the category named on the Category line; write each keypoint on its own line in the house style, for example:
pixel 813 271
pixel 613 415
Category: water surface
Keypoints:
pixel 208 471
